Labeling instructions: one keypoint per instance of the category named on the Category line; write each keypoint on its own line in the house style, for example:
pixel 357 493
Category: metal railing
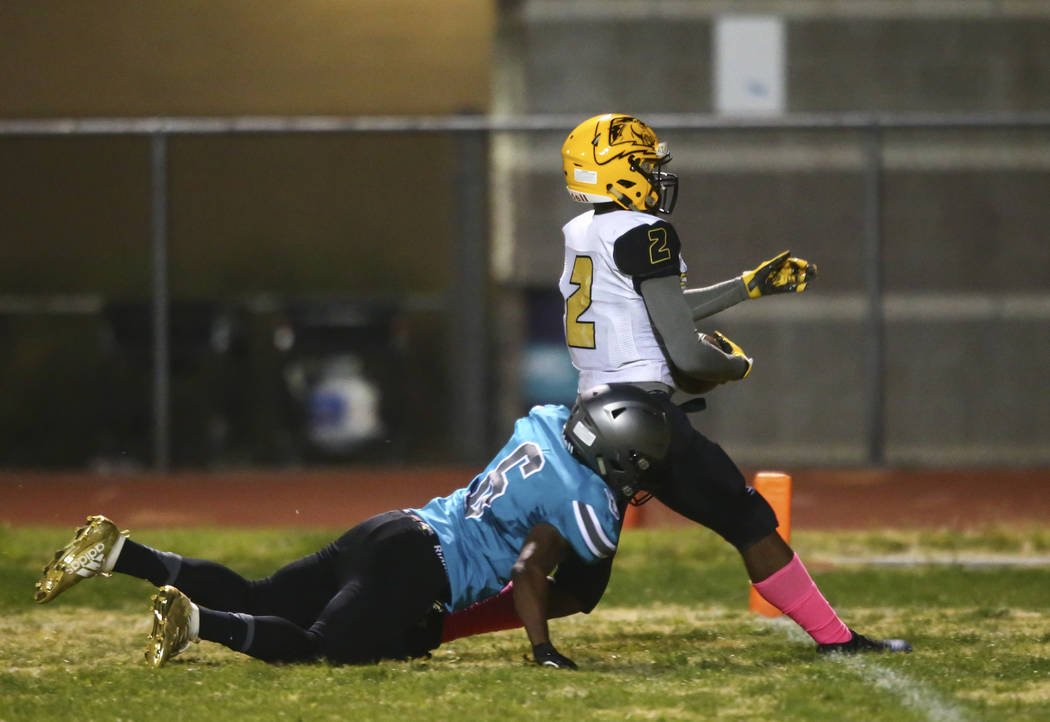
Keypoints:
pixel 469 349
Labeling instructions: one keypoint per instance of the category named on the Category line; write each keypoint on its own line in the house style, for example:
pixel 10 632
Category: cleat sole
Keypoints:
pixel 82 558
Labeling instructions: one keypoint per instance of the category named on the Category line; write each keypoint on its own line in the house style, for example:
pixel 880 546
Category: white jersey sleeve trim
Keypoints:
pixel 591 530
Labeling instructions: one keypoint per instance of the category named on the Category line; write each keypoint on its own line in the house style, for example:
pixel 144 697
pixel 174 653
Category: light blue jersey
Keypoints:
pixel 533 479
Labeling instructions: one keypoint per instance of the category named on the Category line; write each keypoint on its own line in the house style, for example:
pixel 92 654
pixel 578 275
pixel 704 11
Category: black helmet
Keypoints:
pixel 623 434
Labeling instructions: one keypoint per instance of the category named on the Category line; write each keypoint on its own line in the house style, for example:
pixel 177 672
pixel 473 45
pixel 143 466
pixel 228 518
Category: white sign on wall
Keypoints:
pixel 749 75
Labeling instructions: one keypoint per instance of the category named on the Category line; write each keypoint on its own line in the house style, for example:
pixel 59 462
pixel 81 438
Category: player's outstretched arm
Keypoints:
pixel 697 364
pixel 780 274
pixel 567 593
pixel 708 301
pixel 576 587
pixel 543 548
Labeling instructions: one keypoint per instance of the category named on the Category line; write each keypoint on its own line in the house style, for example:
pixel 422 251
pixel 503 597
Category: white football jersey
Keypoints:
pixel 607 327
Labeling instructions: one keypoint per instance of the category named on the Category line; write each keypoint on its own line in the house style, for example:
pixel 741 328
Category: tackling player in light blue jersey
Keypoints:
pixel 533 479
pixel 551 499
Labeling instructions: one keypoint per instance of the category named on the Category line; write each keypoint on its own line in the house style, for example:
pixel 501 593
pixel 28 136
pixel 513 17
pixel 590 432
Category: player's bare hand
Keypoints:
pixel 780 274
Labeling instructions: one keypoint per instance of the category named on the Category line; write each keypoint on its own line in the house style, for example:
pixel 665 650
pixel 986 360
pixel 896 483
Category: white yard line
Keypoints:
pixel 914 695
pixel 945 559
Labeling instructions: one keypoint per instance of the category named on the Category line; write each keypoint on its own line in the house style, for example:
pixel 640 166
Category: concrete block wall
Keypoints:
pixel 965 213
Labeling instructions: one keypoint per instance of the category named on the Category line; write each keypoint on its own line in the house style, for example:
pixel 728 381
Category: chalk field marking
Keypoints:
pixel 914 695
pixel 970 561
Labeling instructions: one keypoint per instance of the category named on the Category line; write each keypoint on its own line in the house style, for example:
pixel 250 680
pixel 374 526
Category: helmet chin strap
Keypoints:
pixel 642 464
pixel 653 200
pixel 638 500
pixel 630 491
pixel 622 200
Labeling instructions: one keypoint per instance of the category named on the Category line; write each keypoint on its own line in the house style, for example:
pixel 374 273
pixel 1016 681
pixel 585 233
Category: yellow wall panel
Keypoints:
pixel 226 57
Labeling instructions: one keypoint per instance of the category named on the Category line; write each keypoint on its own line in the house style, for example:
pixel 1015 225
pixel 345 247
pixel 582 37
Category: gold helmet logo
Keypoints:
pixel 624 129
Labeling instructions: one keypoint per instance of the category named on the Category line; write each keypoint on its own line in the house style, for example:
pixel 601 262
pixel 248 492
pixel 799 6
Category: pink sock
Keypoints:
pixel 488 615
pixel 792 591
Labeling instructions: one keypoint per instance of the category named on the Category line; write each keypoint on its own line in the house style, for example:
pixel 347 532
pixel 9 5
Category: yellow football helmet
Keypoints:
pixel 616 158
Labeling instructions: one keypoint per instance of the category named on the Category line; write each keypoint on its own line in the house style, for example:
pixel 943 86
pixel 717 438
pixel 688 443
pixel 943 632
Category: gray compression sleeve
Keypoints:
pixel 708 301
pixel 673 324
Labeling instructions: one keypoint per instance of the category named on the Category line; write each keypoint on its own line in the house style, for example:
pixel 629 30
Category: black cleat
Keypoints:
pixel 858 643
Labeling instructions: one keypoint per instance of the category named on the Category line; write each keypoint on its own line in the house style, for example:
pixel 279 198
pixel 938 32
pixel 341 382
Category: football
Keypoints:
pixel 713 341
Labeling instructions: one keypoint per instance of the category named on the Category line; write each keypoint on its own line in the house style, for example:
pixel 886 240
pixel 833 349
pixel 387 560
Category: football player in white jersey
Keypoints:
pixel 630 320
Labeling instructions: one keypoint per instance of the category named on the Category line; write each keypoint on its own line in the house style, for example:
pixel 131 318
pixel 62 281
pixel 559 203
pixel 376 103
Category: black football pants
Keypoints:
pixel 362 598
pixel 706 486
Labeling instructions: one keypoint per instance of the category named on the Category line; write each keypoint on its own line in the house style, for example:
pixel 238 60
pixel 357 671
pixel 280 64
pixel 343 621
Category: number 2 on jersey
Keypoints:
pixel 483 491
pixel 580 334
pixel 658 250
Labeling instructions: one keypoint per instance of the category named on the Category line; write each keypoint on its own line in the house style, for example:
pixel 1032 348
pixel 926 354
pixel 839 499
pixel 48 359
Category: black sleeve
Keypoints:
pixel 648 252
pixel 585 582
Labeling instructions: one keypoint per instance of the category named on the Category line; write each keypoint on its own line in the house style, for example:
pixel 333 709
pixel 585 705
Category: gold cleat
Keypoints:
pixel 172 614
pixel 85 556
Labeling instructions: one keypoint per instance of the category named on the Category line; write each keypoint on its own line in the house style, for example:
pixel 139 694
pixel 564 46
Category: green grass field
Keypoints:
pixel 673 639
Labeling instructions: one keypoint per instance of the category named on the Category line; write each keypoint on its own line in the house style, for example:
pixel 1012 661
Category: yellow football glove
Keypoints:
pixel 780 274
pixel 732 349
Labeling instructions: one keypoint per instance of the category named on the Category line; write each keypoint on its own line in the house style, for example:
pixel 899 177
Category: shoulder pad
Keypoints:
pixel 648 251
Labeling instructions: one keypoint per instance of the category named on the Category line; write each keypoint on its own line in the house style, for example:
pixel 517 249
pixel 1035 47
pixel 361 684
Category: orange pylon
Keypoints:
pixel 775 486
